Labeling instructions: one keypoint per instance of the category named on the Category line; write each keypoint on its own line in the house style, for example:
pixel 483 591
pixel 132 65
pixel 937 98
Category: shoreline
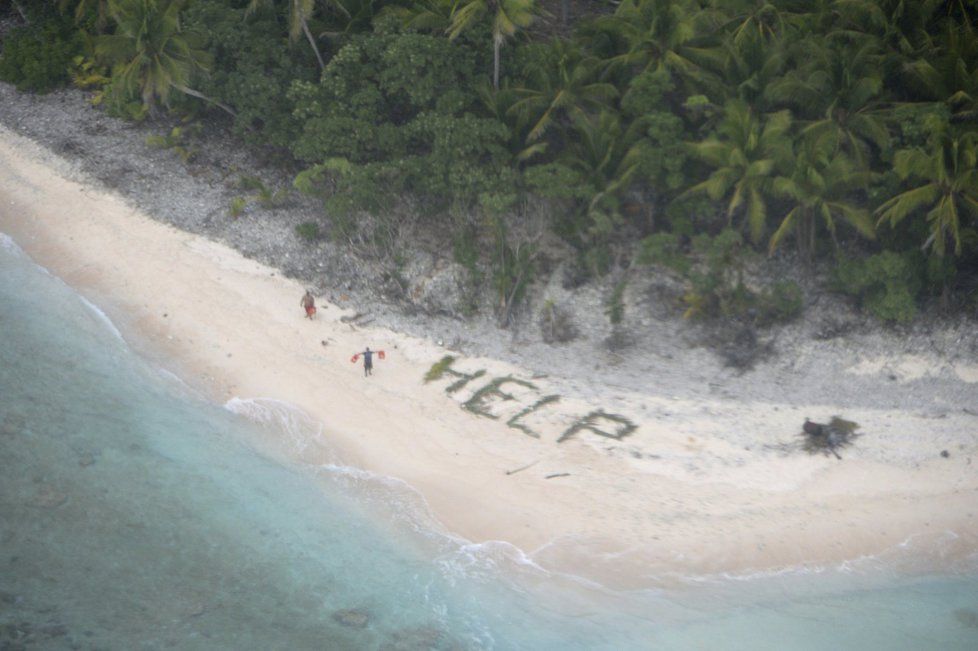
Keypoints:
pixel 680 493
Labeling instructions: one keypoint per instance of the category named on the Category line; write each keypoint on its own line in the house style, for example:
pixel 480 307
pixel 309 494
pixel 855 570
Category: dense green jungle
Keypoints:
pixel 701 136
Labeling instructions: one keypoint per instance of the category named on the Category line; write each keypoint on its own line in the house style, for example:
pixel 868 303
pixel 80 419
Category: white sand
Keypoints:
pixel 699 487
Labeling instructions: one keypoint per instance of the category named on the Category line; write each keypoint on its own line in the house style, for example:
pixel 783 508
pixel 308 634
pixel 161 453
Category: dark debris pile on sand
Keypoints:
pixel 654 352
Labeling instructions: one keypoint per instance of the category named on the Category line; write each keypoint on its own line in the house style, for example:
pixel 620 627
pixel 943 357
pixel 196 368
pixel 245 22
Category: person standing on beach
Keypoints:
pixel 368 362
pixel 309 304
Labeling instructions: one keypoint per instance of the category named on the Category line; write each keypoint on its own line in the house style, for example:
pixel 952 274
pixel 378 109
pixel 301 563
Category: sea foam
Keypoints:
pixel 102 317
pixel 300 428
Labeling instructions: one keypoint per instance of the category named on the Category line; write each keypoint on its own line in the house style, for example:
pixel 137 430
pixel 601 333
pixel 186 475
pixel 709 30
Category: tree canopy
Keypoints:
pixel 850 124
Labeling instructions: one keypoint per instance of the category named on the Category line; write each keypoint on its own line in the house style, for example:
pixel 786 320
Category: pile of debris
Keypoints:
pixel 819 437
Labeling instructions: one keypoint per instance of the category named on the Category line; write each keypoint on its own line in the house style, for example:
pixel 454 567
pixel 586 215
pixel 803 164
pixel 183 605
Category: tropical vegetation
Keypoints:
pixel 841 133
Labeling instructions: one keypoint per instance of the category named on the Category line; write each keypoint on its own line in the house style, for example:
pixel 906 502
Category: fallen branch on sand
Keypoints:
pixel 521 468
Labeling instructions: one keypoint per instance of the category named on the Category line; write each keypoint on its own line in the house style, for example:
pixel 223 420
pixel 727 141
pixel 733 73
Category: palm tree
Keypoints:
pixel 840 90
pixel 901 25
pixel 753 47
pixel 299 13
pixel 508 17
pixel 82 7
pixel 499 105
pixel 745 154
pixel 607 157
pixel 754 20
pixel 653 34
pixel 744 70
pixel 343 17
pixel 424 15
pixel 820 185
pixel 949 74
pixel 948 189
pixel 567 86
pixel 149 53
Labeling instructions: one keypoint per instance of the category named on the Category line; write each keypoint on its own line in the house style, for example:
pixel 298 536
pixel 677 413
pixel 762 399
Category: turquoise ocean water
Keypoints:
pixel 134 514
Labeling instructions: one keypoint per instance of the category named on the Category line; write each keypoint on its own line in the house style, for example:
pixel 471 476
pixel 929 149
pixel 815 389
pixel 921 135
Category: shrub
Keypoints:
pixel 87 74
pixel 615 309
pixel 556 325
pixel 308 231
pixel 664 249
pixel 713 272
pixel 38 57
pixel 251 68
pixel 177 141
pixel 237 207
pixel 717 287
pixel 379 124
pixel 264 195
pixel 886 284
pixel 780 303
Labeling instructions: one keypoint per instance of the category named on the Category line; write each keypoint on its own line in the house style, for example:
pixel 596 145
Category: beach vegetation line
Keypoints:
pixel 841 136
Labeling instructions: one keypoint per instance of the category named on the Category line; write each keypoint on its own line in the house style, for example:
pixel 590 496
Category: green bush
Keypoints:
pixel 780 303
pixel 615 309
pixel 178 141
pixel 252 68
pixel 394 113
pixel 237 206
pixel 662 163
pixel 308 231
pixel 664 249
pixel 717 286
pixel 887 284
pixel 38 57
pixel 713 271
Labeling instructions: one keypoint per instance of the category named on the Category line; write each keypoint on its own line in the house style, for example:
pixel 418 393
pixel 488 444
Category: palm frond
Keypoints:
pixel 787 225
pixel 894 210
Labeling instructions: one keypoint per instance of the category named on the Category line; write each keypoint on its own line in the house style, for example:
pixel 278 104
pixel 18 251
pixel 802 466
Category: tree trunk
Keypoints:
pixel 810 243
pixel 199 95
pixel 496 45
pixel 564 12
pixel 312 44
pixel 805 238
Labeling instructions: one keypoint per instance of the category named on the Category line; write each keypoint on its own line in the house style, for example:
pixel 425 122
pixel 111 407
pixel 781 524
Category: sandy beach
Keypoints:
pixel 625 486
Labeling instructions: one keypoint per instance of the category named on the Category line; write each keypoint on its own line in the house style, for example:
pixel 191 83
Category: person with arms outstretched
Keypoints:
pixel 368 360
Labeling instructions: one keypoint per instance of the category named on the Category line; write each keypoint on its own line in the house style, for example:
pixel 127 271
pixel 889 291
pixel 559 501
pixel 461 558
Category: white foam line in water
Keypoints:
pixel 178 381
pixel 103 317
pixel 486 552
pixel 401 500
pixel 753 575
pixel 464 557
pixel 300 426
pixel 366 475
pixel 890 557
pixel 8 244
